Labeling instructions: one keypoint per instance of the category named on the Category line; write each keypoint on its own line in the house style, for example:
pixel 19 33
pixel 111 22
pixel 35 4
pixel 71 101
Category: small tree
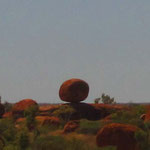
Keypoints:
pixel 106 99
pixel 23 140
pixel 30 114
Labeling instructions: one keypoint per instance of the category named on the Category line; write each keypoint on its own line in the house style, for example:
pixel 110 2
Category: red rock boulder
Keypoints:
pixel 119 135
pixel 7 115
pixel 47 110
pixel 74 90
pixel 71 126
pixel 147 117
pixel 46 120
pixel 19 108
pixel 143 116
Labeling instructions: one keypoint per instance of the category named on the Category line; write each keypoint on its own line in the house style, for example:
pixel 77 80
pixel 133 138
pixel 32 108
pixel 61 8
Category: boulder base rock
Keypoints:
pixel 74 90
pixel 119 135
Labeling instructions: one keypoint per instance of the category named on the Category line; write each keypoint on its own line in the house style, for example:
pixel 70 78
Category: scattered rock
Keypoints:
pixel 143 116
pixel 46 120
pixel 119 135
pixel 47 110
pixel 74 90
pixel 20 120
pixel 7 115
pixel 108 119
pixel 147 117
pixel 71 126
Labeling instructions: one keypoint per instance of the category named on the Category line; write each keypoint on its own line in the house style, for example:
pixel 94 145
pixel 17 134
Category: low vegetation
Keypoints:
pixel 27 133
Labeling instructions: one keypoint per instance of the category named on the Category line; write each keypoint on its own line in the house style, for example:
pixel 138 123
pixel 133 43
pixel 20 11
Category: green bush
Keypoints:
pixel 75 144
pixel 64 112
pixel 89 127
pixel 45 129
pixel 49 143
pixel 142 139
pixel 11 147
pixel 130 117
pixel 105 99
pixel 30 114
pixel 106 148
pixel 58 143
pixel 7 129
pixel 23 140
pixel 8 106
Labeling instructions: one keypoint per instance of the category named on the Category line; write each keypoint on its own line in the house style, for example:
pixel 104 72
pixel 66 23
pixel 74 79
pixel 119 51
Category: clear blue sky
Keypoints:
pixel 104 42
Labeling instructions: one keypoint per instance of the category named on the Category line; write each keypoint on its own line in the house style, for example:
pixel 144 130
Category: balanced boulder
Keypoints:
pixel 74 90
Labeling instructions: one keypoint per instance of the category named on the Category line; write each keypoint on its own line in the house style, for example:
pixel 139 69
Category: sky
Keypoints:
pixel 104 42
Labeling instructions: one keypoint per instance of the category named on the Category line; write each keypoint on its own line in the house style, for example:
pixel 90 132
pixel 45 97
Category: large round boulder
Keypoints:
pixel 74 90
pixel 19 108
pixel 119 135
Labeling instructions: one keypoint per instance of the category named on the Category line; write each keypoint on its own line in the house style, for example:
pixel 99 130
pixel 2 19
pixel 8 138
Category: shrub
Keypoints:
pixel 75 144
pixel 49 143
pixel 7 129
pixel 105 99
pixel 58 143
pixel 45 129
pixel 89 127
pixel 64 112
pixel 30 114
pixel 108 148
pixel 130 117
pixel 11 147
pixel 105 148
pixel 23 140
pixel 8 106
pixel 142 139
